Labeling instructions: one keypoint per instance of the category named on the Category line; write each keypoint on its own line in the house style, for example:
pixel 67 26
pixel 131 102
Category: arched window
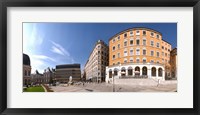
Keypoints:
pixel 115 72
pixel 144 70
pixel 123 71
pixel 160 72
pixel 153 71
pixel 110 73
pixel 130 71
pixel 137 70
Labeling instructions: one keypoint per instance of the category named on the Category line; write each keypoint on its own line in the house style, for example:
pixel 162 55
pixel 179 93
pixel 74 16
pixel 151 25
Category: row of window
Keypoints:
pixel 27 73
pixel 137 61
pixel 144 52
pixel 137 43
pixel 131 33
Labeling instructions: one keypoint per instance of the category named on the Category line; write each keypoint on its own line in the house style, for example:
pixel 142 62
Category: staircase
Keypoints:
pixel 136 82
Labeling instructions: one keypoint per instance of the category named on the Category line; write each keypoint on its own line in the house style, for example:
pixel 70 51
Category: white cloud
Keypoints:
pixel 57 48
pixel 43 57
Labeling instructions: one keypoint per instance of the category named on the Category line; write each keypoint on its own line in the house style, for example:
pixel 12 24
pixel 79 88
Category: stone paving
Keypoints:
pixel 105 87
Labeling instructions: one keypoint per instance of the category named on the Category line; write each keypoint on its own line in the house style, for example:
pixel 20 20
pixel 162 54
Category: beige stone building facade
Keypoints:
pixel 173 63
pixel 95 66
pixel 138 52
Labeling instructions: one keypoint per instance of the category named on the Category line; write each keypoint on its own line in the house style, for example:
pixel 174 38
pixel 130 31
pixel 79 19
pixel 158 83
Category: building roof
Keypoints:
pixel 26 60
pixel 68 66
pixel 135 28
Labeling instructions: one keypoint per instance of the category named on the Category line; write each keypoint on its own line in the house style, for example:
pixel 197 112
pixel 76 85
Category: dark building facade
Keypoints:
pixel 63 73
pixel 26 70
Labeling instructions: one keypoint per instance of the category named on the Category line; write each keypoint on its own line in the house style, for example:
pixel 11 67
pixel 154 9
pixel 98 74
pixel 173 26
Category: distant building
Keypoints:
pixel 95 67
pixel 48 76
pixel 173 63
pixel 63 72
pixel 26 70
pixel 37 78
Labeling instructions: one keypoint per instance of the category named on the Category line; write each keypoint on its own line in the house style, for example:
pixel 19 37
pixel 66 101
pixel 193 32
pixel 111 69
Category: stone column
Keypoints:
pixel 156 73
pixel 149 72
pixel 126 72
pixel 163 75
pixel 140 71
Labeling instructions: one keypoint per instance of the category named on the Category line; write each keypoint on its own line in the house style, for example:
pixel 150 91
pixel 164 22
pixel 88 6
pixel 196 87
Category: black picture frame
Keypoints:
pixel 99 3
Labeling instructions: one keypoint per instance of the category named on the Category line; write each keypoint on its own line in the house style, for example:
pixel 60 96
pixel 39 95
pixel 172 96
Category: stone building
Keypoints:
pixel 173 63
pixel 37 78
pixel 138 53
pixel 26 70
pixel 48 76
pixel 96 64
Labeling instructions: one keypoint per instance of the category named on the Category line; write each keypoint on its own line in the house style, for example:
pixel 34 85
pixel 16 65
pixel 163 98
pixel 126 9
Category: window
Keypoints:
pixel 158 45
pixel 138 60
pixel 118 37
pixel 113 48
pixel 113 56
pixel 118 55
pixel 125 35
pixel 144 33
pixel 137 32
pixel 158 62
pixel 118 62
pixel 137 42
pixel 125 53
pixel 125 43
pixel 125 60
pixel 144 42
pixel 144 52
pixel 152 34
pixel 131 52
pixel 152 53
pixel 151 43
pixel 158 54
pixel 166 54
pixel 137 51
pixel 113 39
pixel 162 47
pixel 113 63
pixel 118 46
pixel 131 33
pixel 152 61
pixel 131 59
pixel 162 53
pixel 131 42
pixel 144 60
pixel 157 36
pixel 166 49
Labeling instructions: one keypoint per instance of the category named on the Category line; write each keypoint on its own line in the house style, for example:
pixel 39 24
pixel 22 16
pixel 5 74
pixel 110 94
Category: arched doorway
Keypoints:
pixel 137 71
pixel 153 71
pixel 130 71
pixel 144 70
pixel 123 72
pixel 160 72
pixel 115 72
pixel 110 73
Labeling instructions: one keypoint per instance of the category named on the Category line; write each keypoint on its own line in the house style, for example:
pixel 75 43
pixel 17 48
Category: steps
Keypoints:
pixel 136 82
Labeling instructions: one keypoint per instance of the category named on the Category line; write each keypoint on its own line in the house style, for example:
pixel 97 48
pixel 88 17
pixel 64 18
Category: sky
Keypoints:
pixel 51 44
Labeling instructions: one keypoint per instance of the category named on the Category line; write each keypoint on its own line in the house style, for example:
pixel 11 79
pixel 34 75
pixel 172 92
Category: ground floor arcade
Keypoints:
pixel 154 71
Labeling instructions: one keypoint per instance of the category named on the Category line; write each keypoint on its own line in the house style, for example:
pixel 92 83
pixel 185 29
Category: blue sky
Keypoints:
pixel 51 44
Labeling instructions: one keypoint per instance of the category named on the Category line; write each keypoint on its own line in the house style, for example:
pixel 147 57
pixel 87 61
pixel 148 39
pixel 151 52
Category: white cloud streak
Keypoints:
pixel 43 57
pixel 57 48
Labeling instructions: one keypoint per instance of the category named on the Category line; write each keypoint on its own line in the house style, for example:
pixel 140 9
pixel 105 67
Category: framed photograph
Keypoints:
pixel 99 57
